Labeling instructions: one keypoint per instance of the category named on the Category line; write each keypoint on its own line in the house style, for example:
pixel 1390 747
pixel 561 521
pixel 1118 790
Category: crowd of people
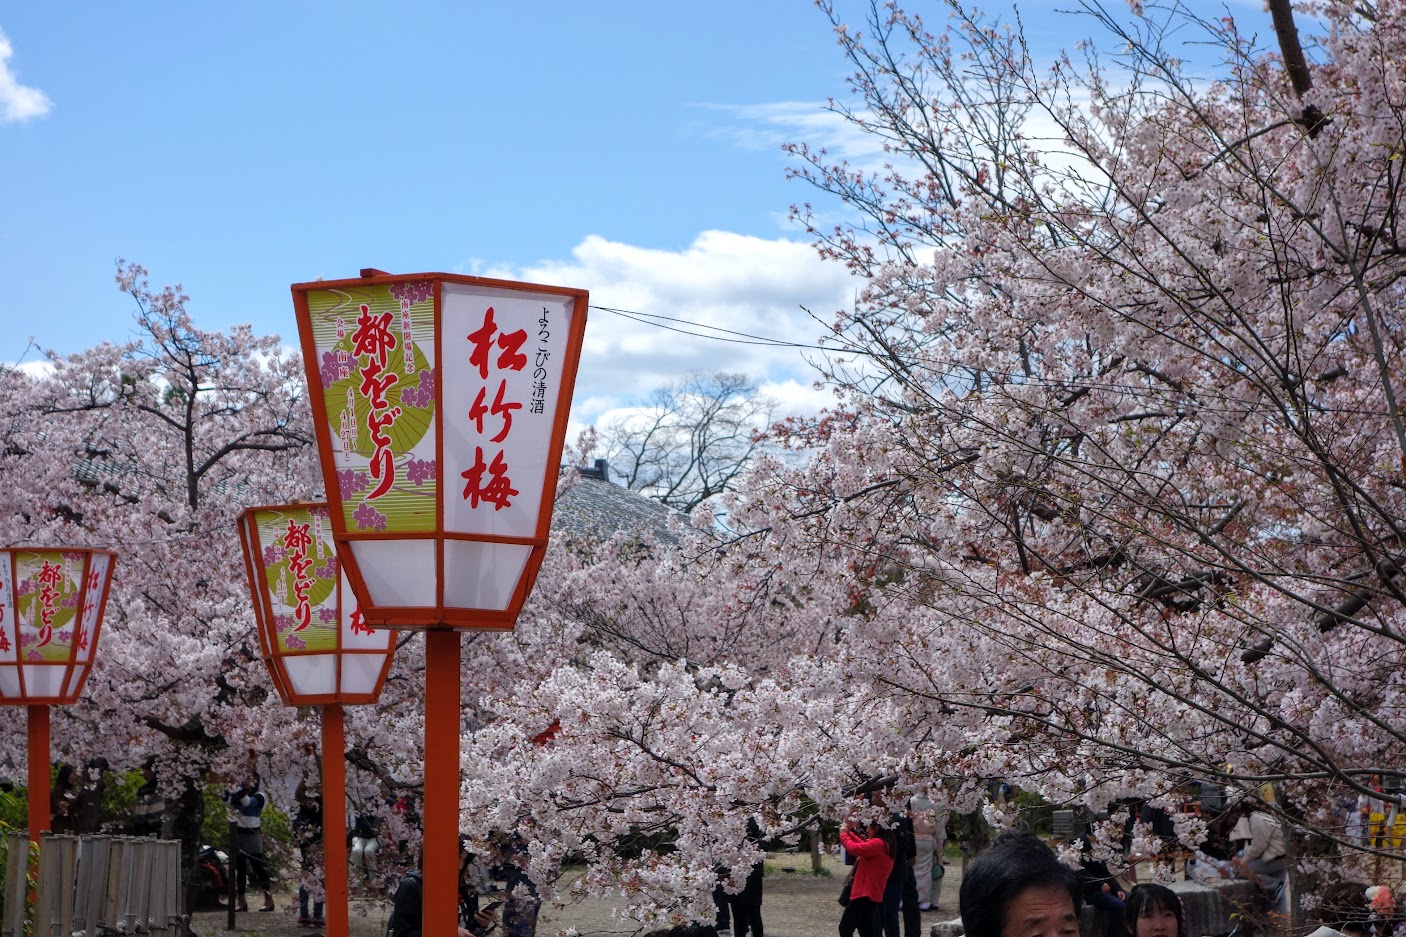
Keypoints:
pixel 1018 884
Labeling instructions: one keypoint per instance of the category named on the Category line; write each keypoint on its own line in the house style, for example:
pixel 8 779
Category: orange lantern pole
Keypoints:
pixel 440 406
pixel 319 652
pixel 37 743
pixel 51 610
pixel 334 832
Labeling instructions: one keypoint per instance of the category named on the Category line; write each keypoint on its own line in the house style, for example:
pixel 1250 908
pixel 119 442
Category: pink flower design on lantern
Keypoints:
pixel 368 517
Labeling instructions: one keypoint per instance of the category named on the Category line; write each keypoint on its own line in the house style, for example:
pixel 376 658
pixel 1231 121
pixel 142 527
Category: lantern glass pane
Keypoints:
pixel 482 575
pixel 312 674
pixel 75 679
pixel 397 573
pixel 360 672
pixel 9 682
pixel 43 681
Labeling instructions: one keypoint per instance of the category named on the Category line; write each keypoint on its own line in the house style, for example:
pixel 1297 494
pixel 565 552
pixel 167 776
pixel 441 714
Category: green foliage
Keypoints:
pixel 119 800
pixel 14 809
pixel 1035 813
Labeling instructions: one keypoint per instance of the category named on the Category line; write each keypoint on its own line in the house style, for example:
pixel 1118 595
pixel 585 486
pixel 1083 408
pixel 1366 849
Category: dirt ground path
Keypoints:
pixel 794 904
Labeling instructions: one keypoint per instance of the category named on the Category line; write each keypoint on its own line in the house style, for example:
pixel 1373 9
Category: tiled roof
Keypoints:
pixel 597 509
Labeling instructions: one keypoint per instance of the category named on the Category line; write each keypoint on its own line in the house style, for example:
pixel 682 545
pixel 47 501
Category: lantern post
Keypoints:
pixel 440 406
pixel 319 652
pixel 51 611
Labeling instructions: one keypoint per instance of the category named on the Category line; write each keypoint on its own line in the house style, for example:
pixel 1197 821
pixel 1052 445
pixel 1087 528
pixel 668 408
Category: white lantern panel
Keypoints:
pixel 356 633
pixel 98 571
pixel 312 674
pixel 482 575
pixel 43 681
pixel 9 640
pixel 500 401
pixel 9 683
pixel 360 671
pixel 397 572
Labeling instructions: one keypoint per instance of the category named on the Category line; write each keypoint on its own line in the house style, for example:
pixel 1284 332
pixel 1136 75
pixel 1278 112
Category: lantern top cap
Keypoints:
pixel 371 276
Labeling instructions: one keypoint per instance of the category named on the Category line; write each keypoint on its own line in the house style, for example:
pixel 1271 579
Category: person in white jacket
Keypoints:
pixel 930 833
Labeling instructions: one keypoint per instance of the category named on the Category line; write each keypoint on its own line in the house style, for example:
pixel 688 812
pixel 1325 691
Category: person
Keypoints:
pixel 874 854
pixel 150 813
pixel 63 801
pixel 901 889
pixel 722 920
pixel 1019 888
pixel 307 830
pixel 1262 857
pixel 929 837
pixel 520 912
pixel 366 830
pixel 1154 911
pixel 408 906
pixel 1101 888
pixel 248 801
pixel 746 905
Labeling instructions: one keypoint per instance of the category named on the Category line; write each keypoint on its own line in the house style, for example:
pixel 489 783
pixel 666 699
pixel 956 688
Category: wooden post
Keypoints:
pixel 334 819
pixel 441 821
pixel 38 738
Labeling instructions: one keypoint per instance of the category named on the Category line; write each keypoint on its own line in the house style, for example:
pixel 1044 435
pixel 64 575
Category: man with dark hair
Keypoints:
pixel 1018 888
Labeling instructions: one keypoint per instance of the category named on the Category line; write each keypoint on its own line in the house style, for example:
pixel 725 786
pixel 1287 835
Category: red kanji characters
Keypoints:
pixel 50 575
pixel 509 342
pixel 358 623
pixel 373 338
pixel 375 381
pixel 498 491
pixel 297 540
pixel 500 408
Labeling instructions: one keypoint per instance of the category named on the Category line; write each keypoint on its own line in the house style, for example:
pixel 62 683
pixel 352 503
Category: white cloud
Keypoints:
pixel 771 126
pixel 722 283
pixel 17 102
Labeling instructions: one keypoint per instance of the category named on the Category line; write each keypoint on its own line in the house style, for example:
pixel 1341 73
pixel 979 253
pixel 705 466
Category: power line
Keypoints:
pixel 744 338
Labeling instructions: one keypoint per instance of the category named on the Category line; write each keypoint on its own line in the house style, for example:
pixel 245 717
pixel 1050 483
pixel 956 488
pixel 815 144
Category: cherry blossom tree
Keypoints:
pixel 1117 475
pixel 152 447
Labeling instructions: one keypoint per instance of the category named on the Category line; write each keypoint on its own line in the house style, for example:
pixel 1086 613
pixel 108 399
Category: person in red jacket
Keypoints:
pixel 874 860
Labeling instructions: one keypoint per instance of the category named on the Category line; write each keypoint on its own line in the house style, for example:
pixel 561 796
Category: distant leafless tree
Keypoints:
pixel 692 441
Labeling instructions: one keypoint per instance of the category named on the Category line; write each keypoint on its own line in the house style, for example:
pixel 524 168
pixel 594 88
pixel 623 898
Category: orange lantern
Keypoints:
pixel 51 611
pixel 313 638
pixel 318 649
pixel 439 406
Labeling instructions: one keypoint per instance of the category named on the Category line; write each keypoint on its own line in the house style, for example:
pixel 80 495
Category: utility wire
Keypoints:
pixel 744 338
pixel 939 368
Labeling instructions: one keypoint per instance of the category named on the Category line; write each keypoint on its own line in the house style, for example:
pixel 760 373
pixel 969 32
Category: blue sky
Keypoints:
pixel 631 148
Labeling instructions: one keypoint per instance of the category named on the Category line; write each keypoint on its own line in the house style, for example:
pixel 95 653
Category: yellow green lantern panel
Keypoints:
pixel 316 643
